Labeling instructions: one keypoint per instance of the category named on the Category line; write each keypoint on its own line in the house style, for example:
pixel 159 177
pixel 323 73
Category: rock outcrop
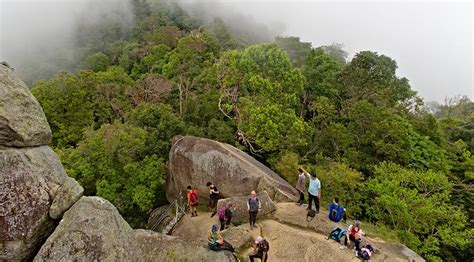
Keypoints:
pixel 93 230
pixel 198 160
pixel 22 121
pixel 34 188
pixel 240 213
pixel 290 214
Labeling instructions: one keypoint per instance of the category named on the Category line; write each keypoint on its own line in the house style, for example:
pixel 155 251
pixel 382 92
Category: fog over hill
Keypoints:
pixel 431 42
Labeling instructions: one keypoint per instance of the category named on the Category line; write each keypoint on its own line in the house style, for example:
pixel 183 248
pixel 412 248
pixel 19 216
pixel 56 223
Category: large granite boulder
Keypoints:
pixel 196 161
pixel 240 212
pixel 93 230
pixel 22 121
pixel 34 190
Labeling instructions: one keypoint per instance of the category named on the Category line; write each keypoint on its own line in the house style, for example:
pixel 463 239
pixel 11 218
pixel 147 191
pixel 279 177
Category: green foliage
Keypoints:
pixel 96 62
pixel 112 163
pixel 416 202
pixel 297 51
pixel 390 159
pixel 287 166
pixel 341 181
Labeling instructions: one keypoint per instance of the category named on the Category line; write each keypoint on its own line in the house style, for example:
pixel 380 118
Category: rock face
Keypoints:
pixel 198 160
pixel 34 188
pixel 240 213
pixel 289 213
pixel 93 230
pixel 22 121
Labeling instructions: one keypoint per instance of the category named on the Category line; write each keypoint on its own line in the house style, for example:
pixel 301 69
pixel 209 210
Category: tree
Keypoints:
pixel 373 77
pixel 297 51
pixel 96 62
pixel 416 203
pixel 112 163
pixel 336 52
pixel 321 72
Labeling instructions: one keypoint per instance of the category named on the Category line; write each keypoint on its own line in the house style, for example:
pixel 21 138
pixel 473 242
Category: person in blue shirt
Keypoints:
pixel 314 190
pixel 336 211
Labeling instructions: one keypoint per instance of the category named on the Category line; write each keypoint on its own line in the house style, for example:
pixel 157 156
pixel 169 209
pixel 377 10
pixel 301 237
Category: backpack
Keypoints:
pixel 366 252
pixel 221 213
pixel 337 234
pixel 310 215
pixel 264 247
pixel 335 212
pixel 193 197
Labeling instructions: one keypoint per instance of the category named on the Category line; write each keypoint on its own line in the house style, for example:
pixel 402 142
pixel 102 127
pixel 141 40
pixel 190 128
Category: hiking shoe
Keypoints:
pixel 213 214
pixel 342 247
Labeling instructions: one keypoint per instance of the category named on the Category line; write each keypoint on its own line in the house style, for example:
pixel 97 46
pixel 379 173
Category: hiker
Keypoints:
pixel 192 200
pixel 216 242
pixel 213 197
pixel 354 234
pixel 225 215
pixel 300 186
pixel 336 211
pixel 314 190
pixel 253 206
pixel 260 250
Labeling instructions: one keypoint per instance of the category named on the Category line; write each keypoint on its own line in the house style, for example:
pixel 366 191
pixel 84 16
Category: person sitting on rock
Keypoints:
pixel 336 211
pixel 213 197
pixel 300 186
pixel 193 200
pixel 260 250
pixel 225 215
pixel 216 242
pixel 253 206
pixel 354 234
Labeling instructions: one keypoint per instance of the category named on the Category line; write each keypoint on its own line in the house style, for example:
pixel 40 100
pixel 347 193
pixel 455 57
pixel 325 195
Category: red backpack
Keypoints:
pixel 193 197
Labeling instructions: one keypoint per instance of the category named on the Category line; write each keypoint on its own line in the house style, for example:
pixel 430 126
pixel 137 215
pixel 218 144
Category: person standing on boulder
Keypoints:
pixel 192 200
pixel 225 215
pixel 254 206
pixel 213 197
pixel 314 190
pixel 301 185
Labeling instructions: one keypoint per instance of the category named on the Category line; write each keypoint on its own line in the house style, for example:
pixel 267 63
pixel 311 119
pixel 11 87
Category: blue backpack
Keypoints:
pixel 337 234
pixel 335 212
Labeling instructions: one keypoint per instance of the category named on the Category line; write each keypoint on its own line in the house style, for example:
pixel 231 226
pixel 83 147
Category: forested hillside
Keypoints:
pixel 391 159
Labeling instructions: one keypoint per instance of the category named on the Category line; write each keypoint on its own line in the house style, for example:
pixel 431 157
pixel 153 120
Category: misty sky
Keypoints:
pixel 431 41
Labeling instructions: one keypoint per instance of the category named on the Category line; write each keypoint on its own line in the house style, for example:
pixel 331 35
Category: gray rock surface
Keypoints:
pixel 196 161
pixel 22 121
pixel 93 230
pixel 30 180
pixel 240 212
pixel 291 214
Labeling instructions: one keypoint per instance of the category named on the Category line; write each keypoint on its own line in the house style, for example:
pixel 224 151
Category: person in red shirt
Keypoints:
pixel 192 200
pixel 354 234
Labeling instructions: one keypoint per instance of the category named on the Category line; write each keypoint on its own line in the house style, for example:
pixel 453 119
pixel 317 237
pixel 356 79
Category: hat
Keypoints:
pixel 258 239
pixel 215 228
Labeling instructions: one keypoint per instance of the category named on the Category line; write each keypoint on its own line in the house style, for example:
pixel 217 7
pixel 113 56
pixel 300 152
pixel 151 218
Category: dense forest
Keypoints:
pixel 406 166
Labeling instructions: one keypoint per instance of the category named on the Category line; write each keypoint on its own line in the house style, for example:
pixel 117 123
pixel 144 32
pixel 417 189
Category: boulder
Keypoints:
pixel 34 190
pixel 22 121
pixel 93 230
pixel 196 161
pixel 160 218
pixel 240 212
